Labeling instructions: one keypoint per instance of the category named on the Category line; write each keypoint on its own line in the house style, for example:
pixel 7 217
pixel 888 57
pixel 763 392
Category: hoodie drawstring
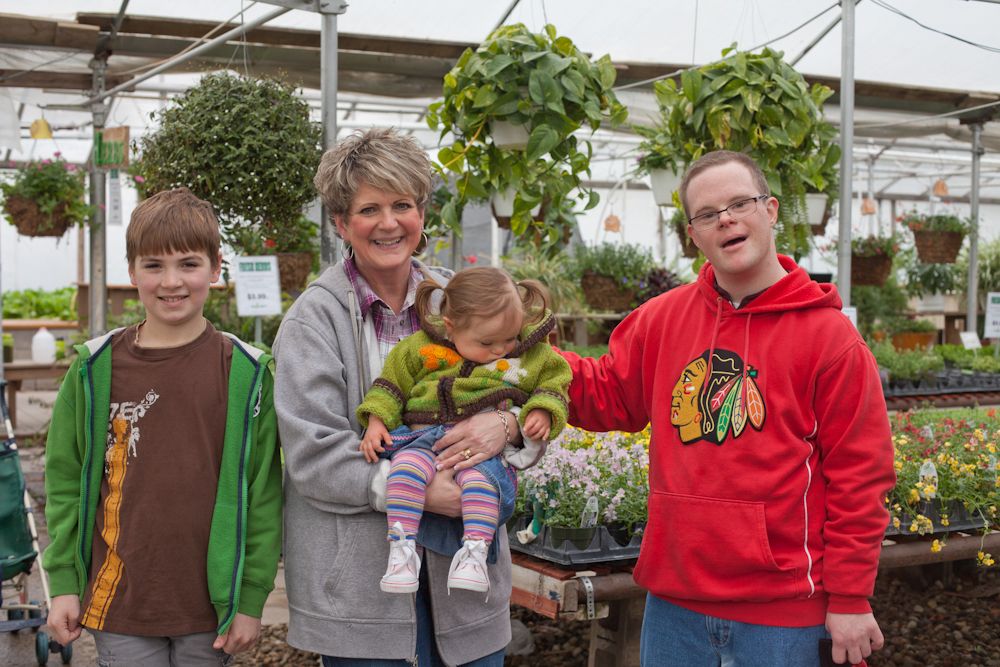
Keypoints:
pixel 715 332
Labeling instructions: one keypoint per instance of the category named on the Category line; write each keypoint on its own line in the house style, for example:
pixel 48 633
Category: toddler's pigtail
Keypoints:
pixel 534 299
pixel 430 319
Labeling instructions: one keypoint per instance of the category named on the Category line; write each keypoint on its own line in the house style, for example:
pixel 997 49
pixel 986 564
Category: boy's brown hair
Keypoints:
pixel 172 221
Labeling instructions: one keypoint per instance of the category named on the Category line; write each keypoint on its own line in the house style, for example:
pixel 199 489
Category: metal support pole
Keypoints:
pixel 846 153
pixel 329 248
pixel 972 303
pixel 98 294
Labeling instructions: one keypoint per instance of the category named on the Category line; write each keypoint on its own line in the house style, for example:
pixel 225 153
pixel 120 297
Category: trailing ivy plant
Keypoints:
pixel 758 104
pixel 545 83
pixel 245 145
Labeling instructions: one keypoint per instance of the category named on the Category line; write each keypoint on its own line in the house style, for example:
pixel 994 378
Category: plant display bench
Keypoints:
pixel 17 372
pixel 607 596
pixel 577 322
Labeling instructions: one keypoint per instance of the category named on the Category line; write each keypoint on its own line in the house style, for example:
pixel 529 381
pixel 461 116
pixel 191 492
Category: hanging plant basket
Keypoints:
pixel 663 183
pixel 604 293
pixel 688 248
pixel 937 247
pixel 817 213
pixel 870 269
pixel 30 221
pixel 508 135
pixel 294 268
pixel 502 206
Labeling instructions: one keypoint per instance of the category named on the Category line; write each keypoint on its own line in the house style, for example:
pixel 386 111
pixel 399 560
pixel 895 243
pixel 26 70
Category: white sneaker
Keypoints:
pixel 468 568
pixel 402 575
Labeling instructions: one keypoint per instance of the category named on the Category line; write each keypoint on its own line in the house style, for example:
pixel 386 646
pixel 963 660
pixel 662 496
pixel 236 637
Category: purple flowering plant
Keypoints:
pixel 612 467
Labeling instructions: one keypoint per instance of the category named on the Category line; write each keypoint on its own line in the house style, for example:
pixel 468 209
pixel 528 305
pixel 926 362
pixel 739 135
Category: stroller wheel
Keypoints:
pixel 35 613
pixel 15 615
pixel 66 653
pixel 42 648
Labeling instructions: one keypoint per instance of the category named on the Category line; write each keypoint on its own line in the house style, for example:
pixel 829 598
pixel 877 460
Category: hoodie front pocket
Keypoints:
pixel 711 550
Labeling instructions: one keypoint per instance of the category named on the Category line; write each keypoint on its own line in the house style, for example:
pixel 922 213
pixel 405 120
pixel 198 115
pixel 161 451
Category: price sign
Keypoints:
pixel 970 340
pixel 992 328
pixel 258 289
pixel 852 315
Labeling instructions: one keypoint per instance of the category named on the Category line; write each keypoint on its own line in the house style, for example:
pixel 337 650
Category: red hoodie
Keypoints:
pixel 768 467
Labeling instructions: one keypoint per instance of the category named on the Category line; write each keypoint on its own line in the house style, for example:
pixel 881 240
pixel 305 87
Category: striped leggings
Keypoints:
pixel 410 473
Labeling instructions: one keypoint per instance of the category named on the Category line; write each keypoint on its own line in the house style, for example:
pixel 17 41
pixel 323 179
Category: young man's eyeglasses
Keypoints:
pixel 736 211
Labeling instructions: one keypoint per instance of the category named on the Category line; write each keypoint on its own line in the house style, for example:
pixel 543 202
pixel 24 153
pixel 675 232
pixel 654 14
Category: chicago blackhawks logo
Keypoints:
pixel 709 400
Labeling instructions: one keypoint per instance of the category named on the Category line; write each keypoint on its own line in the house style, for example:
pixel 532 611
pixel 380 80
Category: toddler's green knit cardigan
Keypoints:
pixel 425 381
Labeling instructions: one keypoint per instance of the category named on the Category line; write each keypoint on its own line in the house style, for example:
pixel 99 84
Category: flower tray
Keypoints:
pixel 959 520
pixel 936 247
pixel 602 548
pixel 603 293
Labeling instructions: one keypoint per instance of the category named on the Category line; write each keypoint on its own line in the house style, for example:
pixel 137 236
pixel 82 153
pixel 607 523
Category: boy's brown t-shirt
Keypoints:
pixel 161 469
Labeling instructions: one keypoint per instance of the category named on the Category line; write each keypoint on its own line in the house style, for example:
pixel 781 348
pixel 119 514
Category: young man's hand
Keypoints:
pixel 64 619
pixel 375 435
pixel 854 636
pixel 537 424
pixel 242 634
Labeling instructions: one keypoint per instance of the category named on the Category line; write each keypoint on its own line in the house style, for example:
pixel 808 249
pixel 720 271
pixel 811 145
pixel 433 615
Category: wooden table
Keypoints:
pixel 560 592
pixel 16 372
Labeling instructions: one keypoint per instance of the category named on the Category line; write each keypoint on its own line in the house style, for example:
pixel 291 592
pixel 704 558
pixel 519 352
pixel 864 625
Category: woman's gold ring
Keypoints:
pixel 467 453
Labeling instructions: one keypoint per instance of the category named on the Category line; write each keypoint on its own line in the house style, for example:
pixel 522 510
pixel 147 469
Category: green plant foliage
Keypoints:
pixel 564 289
pixel 545 83
pixel 40 304
pixel 627 263
pixel 942 222
pixel 755 103
pixel 878 305
pixel 913 365
pixel 870 246
pixel 245 145
pixel 924 279
pixel 987 270
pixel 897 325
pixel 50 183
pixel 299 235
pixel 441 217
pixel 594 351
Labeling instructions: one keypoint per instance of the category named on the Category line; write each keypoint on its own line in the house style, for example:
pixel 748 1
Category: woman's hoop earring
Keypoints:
pixel 347 252
pixel 424 240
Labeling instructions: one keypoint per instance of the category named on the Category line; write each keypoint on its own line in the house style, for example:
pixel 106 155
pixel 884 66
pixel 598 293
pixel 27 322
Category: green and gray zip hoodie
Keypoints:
pixel 243 547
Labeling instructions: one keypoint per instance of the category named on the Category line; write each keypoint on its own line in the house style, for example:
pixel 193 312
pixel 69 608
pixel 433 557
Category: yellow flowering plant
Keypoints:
pixel 947 474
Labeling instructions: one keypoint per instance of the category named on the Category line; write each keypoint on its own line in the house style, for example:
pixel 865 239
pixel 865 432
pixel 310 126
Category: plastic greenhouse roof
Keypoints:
pixel 916 64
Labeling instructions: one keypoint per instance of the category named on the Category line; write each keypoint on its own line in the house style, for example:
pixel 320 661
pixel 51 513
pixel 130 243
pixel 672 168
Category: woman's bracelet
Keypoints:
pixel 506 428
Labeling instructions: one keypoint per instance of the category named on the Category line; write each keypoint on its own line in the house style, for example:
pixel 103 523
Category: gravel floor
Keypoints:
pixel 931 618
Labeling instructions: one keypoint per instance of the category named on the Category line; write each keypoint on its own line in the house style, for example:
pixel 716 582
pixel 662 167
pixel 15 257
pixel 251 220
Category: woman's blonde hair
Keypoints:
pixel 381 158
pixel 480 292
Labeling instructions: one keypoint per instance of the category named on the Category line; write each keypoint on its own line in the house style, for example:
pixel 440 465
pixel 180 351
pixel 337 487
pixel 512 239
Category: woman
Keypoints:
pixel 331 345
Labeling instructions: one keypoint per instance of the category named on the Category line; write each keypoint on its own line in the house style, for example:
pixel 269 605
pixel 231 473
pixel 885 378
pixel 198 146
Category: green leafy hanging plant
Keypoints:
pixel 758 104
pixel 246 145
pixel 545 84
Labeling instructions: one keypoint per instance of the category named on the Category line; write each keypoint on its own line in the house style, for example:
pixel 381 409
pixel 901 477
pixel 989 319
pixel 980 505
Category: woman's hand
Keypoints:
pixel 475 440
pixel 444 495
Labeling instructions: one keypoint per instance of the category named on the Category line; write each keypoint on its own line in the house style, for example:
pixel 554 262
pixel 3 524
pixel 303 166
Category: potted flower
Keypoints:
pixel 756 103
pixel 938 238
pixel 910 333
pixel 611 273
pixel 542 83
pixel 587 480
pixel 45 198
pixel 246 145
pixel 871 259
pixel 656 158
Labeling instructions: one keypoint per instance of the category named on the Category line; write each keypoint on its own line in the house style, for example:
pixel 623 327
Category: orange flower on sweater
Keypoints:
pixel 437 357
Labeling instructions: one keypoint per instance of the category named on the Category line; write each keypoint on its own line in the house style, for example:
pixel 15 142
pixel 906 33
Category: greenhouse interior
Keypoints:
pixel 868 136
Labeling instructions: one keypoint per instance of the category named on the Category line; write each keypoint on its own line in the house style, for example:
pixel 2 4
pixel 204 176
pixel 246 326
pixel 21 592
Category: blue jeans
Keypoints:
pixel 427 654
pixel 674 636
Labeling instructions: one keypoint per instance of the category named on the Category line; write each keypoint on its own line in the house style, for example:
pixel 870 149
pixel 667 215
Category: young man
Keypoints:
pixel 771 450
pixel 162 474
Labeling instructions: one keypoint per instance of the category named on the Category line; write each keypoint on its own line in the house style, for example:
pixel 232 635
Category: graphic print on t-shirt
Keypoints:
pixel 122 443
pixel 708 400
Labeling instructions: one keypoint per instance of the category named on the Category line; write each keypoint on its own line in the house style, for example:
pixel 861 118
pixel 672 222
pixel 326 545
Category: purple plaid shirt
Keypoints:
pixel 390 327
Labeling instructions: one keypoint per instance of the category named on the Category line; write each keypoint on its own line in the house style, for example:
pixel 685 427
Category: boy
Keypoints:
pixel 162 472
